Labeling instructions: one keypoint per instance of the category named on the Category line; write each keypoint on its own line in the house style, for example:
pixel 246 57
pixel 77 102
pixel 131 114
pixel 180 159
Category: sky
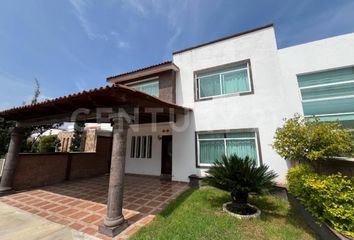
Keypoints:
pixel 73 45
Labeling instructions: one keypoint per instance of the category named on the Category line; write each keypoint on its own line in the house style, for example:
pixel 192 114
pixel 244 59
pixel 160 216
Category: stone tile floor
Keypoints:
pixel 81 204
pixel 18 224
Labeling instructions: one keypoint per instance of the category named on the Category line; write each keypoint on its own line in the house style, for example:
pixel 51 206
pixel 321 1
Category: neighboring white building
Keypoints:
pixel 240 89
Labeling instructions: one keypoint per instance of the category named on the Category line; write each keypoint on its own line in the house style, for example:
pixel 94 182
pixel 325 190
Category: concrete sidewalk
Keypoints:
pixel 18 224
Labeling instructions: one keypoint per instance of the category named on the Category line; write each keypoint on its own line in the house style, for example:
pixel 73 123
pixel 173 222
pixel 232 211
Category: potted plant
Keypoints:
pixel 240 176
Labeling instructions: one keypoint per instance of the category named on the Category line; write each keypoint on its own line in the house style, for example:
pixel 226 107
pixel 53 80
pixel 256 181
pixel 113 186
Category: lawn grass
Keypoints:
pixel 197 214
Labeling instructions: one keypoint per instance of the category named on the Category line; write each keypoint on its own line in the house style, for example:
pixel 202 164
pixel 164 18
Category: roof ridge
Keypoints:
pixel 140 69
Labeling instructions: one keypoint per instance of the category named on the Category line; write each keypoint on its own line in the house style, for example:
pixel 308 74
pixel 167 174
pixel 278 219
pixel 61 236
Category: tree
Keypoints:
pixel 49 143
pixel 32 146
pixel 303 140
pixel 37 91
pixel 240 177
pixel 5 133
pixel 77 138
pixel 7 126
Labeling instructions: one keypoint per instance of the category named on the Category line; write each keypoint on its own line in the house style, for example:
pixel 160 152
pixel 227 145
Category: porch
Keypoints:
pixel 81 204
pixel 117 104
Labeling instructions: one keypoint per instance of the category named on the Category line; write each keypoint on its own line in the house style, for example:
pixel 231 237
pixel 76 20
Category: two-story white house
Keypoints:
pixel 224 97
pixel 240 89
pixel 232 94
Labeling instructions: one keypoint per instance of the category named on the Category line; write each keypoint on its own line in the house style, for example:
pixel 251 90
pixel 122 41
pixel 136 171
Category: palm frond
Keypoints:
pixel 235 174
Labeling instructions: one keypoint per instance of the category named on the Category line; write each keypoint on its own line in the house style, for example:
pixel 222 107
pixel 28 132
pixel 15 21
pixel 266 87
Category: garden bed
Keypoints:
pixel 241 213
pixel 323 231
pixel 197 214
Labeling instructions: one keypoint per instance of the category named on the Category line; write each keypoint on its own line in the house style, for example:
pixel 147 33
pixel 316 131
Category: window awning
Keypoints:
pixel 112 96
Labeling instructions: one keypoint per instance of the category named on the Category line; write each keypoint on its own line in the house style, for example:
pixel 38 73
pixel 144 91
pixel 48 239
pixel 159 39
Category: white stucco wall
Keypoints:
pixel 335 52
pixel 146 166
pixel 276 96
pixel 264 109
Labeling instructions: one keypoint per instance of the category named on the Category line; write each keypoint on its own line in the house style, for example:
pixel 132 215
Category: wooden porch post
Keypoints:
pixel 114 222
pixel 8 173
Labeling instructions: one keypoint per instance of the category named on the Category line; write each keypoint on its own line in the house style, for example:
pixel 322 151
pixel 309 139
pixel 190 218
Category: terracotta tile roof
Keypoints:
pixel 109 96
pixel 140 69
pixel 48 101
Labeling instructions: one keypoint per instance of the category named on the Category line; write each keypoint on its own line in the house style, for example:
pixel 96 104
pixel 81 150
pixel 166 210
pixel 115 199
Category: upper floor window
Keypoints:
pixel 149 87
pixel 212 146
pixel 329 95
pixel 225 80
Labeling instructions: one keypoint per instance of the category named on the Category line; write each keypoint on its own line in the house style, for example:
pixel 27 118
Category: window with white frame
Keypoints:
pixel 141 147
pixel 149 87
pixel 329 95
pixel 212 146
pixel 227 80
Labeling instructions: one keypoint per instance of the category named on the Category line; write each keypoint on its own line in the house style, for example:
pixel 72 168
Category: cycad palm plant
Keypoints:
pixel 240 176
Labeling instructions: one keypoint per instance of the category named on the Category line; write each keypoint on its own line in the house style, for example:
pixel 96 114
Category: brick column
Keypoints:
pixel 11 160
pixel 114 222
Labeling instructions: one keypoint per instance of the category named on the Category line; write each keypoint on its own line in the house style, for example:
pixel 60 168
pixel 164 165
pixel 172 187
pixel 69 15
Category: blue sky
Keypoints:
pixel 72 45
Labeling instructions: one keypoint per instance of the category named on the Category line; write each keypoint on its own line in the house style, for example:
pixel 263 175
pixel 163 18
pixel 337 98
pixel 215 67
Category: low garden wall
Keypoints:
pixel 40 169
pixel 92 164
pixel 323 231
pixel 344 166
pixel 333 166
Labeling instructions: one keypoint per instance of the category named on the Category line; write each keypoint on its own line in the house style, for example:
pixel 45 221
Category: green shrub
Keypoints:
pixel 301 139
pixel 329 198
pixel 48 143
pixel 78 135
pixel 5 133
pixel 296 178
pixel 240 176
pixel 30 146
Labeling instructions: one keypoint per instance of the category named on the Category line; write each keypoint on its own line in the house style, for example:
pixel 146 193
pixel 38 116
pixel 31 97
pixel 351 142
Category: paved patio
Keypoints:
pixel 18 224
pixel 81 204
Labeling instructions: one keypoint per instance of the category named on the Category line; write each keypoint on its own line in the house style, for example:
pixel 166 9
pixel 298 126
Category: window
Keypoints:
pixel 132 147
pixel 223 81
pixel 329 95
pixel 149 143
pixel 137 149
pixel 149 87
pixel 141 147
pixel 212 146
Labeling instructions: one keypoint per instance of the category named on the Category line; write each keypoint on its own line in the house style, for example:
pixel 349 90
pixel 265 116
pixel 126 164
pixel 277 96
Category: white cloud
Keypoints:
pixel 81 85
pixel 174 37
pixel 10 84
pixel 146 7
pixel 75 59
pixel 80 7
pixel 316 27
pixel 122 44
pixel 138 6
pixel 167 9
pixel 11 80
pixel 173 13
